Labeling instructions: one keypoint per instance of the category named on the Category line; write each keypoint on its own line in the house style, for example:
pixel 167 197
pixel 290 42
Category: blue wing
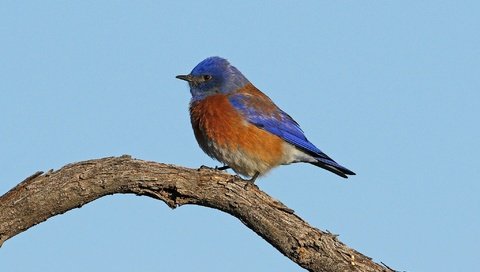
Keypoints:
pixel 262 112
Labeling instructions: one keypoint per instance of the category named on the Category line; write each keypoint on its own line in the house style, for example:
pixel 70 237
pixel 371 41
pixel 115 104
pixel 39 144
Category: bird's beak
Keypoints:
pixel 188 78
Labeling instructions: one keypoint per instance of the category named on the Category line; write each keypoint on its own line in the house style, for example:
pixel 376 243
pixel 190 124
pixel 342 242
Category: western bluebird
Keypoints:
pixel 238 125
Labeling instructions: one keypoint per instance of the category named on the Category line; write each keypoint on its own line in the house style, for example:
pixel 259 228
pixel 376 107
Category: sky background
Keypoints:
pixel 390 89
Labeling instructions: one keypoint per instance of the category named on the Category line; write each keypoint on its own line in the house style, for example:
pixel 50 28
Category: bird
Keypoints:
pixel 241 127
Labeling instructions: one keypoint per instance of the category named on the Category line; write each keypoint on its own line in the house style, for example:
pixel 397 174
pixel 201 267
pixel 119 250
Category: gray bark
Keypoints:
pixel 44 195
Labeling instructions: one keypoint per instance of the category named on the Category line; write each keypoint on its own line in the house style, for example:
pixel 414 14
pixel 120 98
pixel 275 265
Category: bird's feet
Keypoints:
pixel 221 168
pixel 204 167
pixel 216 168
pixel 251 181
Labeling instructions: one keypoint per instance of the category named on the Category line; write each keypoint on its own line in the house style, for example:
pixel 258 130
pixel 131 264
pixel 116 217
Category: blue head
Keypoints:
pixel 214 75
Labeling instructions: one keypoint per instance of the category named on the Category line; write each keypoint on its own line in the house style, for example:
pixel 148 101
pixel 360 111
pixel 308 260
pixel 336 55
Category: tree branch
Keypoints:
pixel 44 195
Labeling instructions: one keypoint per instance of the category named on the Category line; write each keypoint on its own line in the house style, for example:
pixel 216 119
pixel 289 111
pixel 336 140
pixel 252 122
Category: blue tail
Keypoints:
pixel 332 166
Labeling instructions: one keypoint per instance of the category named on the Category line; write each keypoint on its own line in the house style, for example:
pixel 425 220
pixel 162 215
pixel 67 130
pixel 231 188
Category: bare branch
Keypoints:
pixel 42 196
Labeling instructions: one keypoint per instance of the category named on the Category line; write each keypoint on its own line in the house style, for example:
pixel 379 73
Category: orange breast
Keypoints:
pixel 220 130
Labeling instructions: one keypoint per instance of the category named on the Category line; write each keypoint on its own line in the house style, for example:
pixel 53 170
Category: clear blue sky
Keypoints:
pixel 389 89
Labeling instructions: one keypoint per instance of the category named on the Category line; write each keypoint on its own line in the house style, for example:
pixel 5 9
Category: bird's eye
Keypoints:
pixel 207 77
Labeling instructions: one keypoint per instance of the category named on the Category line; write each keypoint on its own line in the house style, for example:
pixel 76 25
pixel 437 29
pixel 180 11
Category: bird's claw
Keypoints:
pixel 204 167
pixel 221 168
pixel 248 184
pixel 251 181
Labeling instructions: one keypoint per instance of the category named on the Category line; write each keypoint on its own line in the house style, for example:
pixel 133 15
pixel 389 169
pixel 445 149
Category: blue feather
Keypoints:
pixel 278 123
pixel 281 124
